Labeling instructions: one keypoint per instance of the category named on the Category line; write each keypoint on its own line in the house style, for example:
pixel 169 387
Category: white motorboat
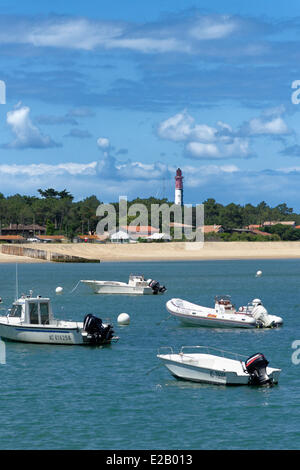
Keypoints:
pixel 136 285
pixel 31 320
pixel 214 366
pixel 223 315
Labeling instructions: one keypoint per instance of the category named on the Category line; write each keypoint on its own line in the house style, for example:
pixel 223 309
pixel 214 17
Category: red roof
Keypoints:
pixel 210 228
pixel 12 237
pixel 140 229
pixel 104 236
pixel 259 232
pixel 51 237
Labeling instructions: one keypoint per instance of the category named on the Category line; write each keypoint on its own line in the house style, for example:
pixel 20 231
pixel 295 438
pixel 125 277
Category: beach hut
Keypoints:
pixel 120 237
pixel 159 237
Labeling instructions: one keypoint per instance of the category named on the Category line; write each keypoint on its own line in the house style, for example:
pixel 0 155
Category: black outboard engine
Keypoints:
pixel 97 332
pixel 256 367
pixel 156 287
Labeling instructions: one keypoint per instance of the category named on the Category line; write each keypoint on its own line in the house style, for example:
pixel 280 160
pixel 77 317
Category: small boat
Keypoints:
pixel 223 315
pixel 136 285
pixel 31 320
pixel 214 366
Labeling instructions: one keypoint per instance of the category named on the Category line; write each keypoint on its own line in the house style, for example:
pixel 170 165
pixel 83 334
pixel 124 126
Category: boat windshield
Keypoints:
pixel 223 299
pixel 137 277
pixel 16 311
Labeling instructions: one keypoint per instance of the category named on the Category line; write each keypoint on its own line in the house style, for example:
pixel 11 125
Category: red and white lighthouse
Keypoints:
pixel 179 187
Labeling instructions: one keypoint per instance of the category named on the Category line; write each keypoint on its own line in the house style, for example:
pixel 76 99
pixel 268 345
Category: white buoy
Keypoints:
pixel 123 319
pixel 258 274
pixel 59 290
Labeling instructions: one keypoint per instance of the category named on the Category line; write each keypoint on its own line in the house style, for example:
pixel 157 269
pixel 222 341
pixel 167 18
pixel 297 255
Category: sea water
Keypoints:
pixel 119 397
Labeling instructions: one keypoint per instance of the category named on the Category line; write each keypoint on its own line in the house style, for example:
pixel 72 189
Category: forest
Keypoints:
pixel 58 211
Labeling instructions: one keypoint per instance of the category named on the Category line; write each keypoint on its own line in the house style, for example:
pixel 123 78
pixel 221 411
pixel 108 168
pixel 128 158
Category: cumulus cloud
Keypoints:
pixel 103 143
pixel 27 135
pixel 270 123
pixel 181 127
pixel 274 126
pixel 202 141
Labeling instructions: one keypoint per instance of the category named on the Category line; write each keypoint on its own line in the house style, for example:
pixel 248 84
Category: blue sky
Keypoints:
pixel 109 98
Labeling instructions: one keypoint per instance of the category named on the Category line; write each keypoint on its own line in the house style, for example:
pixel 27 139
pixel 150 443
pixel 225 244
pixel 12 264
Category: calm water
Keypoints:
pixel 71 397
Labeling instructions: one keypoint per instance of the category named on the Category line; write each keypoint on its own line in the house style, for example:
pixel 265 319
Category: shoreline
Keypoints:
pixel 168 251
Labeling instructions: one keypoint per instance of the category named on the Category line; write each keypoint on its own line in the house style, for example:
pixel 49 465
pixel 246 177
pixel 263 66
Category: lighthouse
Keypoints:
pixel 179 187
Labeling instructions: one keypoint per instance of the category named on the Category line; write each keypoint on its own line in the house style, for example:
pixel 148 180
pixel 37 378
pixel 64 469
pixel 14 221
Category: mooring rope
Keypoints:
pixel 75 287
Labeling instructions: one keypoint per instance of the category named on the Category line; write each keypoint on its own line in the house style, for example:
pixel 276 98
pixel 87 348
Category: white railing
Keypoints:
pixel 212 350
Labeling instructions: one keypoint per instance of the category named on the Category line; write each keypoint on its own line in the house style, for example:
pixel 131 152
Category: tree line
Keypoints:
pixel 58 211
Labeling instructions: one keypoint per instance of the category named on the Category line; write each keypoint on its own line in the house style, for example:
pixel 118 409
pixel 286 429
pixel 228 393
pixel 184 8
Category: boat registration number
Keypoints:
pixel 60 337
pixel 217 373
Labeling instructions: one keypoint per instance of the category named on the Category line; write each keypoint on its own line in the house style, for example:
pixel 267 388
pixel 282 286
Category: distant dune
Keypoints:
pixel 166 251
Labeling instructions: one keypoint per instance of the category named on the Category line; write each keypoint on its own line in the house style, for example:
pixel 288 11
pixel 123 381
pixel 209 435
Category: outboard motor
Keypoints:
pixel 256 367
pixel 156 287
pixel 97 332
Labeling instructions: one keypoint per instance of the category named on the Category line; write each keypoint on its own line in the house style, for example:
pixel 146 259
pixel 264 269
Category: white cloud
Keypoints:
pixel 213 27
pixel 44 170
pixel 110 178
pixel 86 34
pixel 103 143
pixel 275 126
pixel 203 141
pixel 234 148
pixel 27 135
pixel 176 128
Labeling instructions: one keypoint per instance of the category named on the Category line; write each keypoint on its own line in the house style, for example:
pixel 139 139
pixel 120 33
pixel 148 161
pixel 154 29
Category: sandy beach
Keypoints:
pixel 165 251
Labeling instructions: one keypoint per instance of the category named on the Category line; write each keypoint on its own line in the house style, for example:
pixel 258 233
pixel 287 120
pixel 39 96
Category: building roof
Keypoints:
pixel 210 228
pixel 159 236
pixel 102 237
pixel 259 232
pixel 178 224
pixel 120 235
pixel 12 237
pixel 140 229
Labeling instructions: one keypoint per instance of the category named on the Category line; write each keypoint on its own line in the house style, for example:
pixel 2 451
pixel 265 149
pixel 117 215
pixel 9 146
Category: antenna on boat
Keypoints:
pixel 17 282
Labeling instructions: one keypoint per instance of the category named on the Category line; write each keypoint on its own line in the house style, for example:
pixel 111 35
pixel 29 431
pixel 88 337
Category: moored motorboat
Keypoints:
pixel 136 285
pixel 31 320
pixel 210 365
pixel 223 314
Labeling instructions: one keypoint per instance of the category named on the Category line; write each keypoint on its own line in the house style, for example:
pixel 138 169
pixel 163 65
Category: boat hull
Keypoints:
pixel 194 372
pixel 106 288
pixel 46 334
pixel 194 316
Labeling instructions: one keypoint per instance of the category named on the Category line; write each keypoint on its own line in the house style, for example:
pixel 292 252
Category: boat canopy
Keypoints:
pixel 32 310
pixel 223 298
